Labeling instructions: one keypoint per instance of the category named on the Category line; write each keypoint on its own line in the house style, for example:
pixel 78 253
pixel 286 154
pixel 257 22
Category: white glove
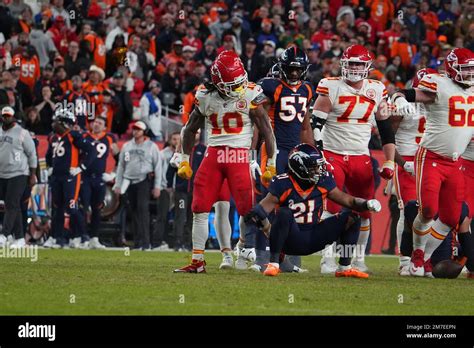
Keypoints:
pixel 75 171
pixel 410 168
pixel 254 167
pixel 108 177
pixel 374 205
pixel 404 108
pixel 50 172
pixel 176 159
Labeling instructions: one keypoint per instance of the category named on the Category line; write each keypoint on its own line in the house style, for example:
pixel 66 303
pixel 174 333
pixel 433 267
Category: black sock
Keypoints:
pixel 349 241
pixel 467 249
pixel 406 245
pixel 279 233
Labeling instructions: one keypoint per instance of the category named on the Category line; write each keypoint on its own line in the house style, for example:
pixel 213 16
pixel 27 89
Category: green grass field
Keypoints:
pixel 110 283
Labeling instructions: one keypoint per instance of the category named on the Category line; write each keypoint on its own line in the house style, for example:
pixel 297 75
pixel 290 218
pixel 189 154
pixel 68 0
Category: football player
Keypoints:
pixel 94 178
pixel 229 105
pixel 287 97
pixel 408 133
pixel 464 235
pixel 63 156
pixel 449 101
pixel 300 196
pixel 347 107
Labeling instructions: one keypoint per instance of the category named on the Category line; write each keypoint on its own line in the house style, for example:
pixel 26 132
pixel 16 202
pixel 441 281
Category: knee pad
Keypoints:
pixel 411 211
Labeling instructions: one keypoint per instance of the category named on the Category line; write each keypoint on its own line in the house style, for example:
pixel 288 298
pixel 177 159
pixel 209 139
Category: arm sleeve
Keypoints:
pixel 170 174
pixel 30 150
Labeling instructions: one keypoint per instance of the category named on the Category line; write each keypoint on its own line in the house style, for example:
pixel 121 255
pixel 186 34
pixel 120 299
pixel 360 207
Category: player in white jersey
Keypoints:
pixel 230 105
pixel 449 101
pixel 348 106
pixel 408 133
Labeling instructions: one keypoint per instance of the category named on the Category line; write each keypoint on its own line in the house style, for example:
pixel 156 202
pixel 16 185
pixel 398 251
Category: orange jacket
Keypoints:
pixel 188 105
pixel 381 11
pixel 29 69
pixel 405 51
pixel 98 50
pixel 94 91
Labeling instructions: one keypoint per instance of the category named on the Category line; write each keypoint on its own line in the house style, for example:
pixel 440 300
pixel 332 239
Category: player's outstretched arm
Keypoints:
pixel 387 135
pixel 354 203
pixel 404 97
pixel 322 107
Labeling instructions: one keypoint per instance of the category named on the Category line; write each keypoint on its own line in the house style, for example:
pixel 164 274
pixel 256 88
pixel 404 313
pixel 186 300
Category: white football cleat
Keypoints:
pixel 227 262
pixel 3 240
pixel 10 240
pixel 75 243
pixel 94 243
pixel 360 265
pixel 248 254
pixel 49 243
pixel 404 270
pixel 328 265
pixel 297 269
pixel 18 244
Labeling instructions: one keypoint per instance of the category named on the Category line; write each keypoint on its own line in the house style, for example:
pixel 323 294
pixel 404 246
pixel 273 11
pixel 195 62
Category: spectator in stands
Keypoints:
pixel 266 34
pixel 252 60
pixel 96 46
pixel 335 51
pixel 174 57
pixel 46 108
pixel 120 29
pixel 431 22
pixel 240 34
pixel 11 97
pixel 268 57
pixel 43 44
pixel 323 36
pixel 47 79
pixel 151 110
pixel 208 54
pixel 404 49
pixel 122 96
pixel 32 122
pixel 221 25
pixel 425 51
pixel 75 60
pixel 228 44
pixel 415 24
pixel 139 173
pixel 191 38
pixel 314 74
pixel 171 87
pixel 446 20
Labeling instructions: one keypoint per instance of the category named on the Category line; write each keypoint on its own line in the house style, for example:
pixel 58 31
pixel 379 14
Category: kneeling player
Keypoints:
pixel 301 195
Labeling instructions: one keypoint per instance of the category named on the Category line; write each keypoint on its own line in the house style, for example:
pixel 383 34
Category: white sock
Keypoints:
pixel 243 229
pixel 404 261
pixel 420 232
pixel 400 228
pixel 363 240
pixel 329 252
pixel 275 264
pixel 222 224
pixel 343 268
pixel 439 231
pixel 200 234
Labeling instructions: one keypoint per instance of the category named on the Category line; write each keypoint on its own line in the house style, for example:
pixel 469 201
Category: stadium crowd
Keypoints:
pixel 142 60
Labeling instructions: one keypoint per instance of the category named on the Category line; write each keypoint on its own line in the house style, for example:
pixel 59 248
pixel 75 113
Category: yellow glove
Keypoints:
pixel 185 171
pixel 268 174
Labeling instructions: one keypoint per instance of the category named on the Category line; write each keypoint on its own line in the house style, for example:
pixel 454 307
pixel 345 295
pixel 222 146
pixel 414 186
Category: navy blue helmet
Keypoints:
pixel 293 64
pixel 307 163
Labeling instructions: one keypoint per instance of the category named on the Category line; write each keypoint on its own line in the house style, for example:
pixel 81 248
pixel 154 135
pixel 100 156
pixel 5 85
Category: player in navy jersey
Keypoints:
pixel 299 197
pixel 93 183
pixel 287 99
pixel 64 157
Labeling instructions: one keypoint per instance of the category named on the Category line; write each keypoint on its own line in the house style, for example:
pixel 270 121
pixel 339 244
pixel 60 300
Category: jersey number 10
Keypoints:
pixel 236 117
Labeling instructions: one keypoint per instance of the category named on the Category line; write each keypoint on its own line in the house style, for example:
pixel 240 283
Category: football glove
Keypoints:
pixel 185 171
pixel 388 168
pixel 254 169
pixel 404 108
pixel 108 177
pixel 409 167
pixel 75 170
pixel 269 173
pixel 374 205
